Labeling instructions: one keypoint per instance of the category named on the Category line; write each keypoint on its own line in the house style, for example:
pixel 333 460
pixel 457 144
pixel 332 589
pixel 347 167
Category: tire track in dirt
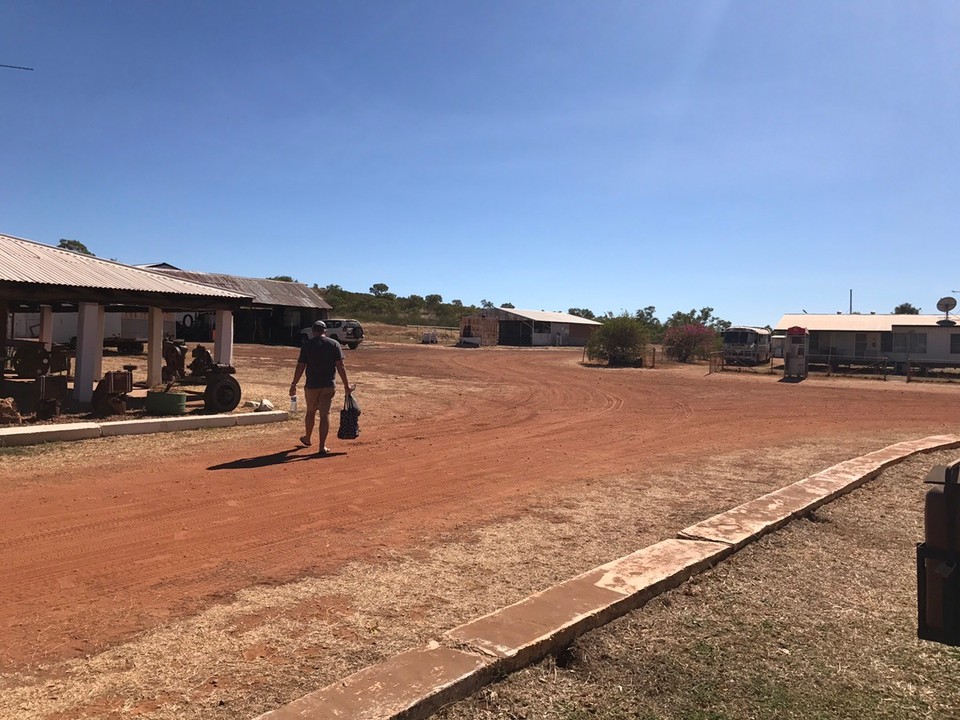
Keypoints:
pixel 89 560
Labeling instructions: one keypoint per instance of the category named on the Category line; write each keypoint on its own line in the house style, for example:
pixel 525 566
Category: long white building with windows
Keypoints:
pixel 931 340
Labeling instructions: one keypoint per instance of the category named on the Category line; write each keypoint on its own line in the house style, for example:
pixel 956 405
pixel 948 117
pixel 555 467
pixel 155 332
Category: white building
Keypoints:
pixel 929 340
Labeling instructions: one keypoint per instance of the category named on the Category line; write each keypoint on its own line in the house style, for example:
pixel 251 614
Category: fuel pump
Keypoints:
pixel 938 558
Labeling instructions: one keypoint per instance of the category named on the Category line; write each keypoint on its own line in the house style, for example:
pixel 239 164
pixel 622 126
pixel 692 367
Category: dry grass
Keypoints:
pixel 268 645
pixel 381 332
pixel 816 621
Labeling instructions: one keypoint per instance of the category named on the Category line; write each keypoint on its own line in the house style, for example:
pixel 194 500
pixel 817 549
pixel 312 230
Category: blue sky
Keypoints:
pixel 758 157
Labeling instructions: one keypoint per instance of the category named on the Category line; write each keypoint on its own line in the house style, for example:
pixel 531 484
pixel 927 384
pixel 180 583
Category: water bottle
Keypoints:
pixel 293 403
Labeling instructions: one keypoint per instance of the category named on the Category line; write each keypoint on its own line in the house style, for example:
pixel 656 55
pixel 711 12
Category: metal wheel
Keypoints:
pixel 31 362
pixel 222 394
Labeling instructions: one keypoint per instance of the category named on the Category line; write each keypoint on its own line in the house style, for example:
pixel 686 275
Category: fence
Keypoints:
pixel 916 370
pixel 717 362
pixel 721 360
pixel 850 365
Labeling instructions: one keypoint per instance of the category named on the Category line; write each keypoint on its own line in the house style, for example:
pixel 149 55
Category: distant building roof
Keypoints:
pixel 263 291
pixel 157 266
pixel 548 317
pixel 25 265
pixel 855 323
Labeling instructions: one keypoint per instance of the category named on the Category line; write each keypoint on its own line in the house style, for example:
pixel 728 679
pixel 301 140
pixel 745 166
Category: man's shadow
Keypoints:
pixel 278 458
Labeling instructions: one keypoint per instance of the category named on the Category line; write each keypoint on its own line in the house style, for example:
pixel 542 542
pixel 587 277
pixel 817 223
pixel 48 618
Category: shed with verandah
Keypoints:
pixel 41 278
pixel 533 328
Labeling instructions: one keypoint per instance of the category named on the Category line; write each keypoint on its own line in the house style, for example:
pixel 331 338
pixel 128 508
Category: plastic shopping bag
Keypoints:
pixel 349 419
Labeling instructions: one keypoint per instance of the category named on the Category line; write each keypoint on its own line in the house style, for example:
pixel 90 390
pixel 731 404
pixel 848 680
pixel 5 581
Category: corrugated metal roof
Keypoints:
pixel 263 292
pixel 856 323
pixel 541 316
pixel 25 261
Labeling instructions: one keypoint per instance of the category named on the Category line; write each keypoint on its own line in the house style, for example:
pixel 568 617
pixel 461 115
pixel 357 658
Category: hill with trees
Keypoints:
pixel 381 305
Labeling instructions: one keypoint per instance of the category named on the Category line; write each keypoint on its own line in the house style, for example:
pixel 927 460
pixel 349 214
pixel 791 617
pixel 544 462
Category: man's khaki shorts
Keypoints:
pixel 319 400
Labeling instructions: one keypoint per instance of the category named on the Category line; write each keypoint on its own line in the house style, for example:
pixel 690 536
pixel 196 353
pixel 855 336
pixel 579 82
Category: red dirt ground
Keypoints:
pixel 452 439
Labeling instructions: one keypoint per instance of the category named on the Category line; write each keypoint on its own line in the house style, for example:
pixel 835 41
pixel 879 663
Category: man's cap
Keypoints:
pixel 319 325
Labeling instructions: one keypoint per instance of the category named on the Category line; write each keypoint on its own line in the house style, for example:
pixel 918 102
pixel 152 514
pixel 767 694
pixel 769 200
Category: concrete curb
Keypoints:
pixel 21 435
pixel 546 622
pixel 416 683
pixel 35 435
pixel 745 523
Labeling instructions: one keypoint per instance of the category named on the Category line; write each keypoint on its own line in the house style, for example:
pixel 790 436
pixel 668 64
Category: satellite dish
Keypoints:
pixel 946 304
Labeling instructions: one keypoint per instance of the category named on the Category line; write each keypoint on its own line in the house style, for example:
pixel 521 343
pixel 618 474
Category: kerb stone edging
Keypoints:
pixel 20 435
pixel 415 684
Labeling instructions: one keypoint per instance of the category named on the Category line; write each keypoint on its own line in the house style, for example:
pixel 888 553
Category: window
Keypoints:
pixel 541 327
pixel 913 342
pixel 955 343
pixel 886 342
pixel 820 340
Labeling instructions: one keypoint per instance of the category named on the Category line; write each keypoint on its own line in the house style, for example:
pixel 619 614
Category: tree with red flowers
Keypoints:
pixel 683 342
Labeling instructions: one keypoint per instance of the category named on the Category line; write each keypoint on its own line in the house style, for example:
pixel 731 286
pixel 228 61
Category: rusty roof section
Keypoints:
pixel 28 262
pixel 263 291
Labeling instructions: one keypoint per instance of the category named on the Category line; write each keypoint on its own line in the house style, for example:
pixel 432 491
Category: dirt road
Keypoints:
pixel 105 543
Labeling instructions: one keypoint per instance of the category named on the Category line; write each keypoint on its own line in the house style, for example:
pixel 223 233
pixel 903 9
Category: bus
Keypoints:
pixel 746 346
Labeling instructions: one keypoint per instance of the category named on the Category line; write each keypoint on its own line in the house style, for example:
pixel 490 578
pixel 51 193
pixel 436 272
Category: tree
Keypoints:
pixel 486 304
pixel 414 303
pixel 685 341
pixel 457 303
pixel 379 289
pixel 509 306
pixel 906 309
pixel 582 312
pixel 651 322
pixel 704 317
pixel 282 278
pixel 433 301
pixel 75 246
pixel 619 341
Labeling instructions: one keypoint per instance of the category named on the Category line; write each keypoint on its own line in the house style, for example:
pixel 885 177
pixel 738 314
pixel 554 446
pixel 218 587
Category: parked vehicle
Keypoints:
pixel 746 346
pixel 345 332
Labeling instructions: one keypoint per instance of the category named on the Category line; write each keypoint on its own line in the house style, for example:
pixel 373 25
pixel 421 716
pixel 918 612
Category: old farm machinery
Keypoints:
pixel 221 391
pixel 32 360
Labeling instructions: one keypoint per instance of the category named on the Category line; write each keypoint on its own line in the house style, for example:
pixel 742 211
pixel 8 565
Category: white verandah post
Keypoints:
pixel 89 350
pixel 223 343
pixel 154 346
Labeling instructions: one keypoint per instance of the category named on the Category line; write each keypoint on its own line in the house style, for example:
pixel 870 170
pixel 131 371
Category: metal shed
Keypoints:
pixel 276 313
pixel 535 328
pixel 40 278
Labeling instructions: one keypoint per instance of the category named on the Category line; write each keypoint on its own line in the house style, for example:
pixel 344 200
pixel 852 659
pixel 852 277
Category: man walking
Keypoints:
pixel 322 359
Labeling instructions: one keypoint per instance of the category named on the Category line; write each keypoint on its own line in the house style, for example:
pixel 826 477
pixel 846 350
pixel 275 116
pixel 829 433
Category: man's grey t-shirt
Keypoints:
pixel 320 354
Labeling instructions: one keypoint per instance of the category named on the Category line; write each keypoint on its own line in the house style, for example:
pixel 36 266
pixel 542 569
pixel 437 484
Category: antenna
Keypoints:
pixel 945 305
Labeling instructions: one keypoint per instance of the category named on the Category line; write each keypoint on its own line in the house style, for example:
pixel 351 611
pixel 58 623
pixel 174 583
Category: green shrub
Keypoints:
pixel 620 340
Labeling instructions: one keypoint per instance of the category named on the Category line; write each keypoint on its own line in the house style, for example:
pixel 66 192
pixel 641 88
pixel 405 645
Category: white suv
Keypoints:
pixel 345 332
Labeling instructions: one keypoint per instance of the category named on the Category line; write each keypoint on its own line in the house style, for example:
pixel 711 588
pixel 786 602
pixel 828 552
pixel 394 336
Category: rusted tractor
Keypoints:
pixel 222 391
